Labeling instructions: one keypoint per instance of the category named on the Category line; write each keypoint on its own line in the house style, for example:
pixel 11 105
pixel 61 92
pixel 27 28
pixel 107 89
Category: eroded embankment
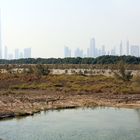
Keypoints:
pixel 23 103
pixel 22 95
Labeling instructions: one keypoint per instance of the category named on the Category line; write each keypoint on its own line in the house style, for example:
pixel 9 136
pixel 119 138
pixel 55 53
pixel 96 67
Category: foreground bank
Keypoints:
pixel 26 95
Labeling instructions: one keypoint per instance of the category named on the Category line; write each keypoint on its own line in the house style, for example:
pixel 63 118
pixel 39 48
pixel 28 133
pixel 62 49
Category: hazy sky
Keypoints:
pixel 48 25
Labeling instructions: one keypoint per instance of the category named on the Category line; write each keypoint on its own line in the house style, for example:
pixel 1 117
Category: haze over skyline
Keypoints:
pixel 48 25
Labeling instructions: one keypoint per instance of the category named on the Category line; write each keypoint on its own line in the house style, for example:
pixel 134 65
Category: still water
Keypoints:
pixel 75 124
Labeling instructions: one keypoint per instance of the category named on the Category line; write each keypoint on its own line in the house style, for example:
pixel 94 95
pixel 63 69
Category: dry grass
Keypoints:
pixel 71 83
pixel 79 84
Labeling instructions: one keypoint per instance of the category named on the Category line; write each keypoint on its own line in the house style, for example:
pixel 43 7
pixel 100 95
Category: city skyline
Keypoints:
pixel 17 54
pixel 96 51
pixel 0 38
pixel 47 25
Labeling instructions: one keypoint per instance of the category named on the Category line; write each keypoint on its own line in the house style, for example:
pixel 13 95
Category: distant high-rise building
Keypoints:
pixel 78 53
pixel 99 52
pixel 16 53
pixel 67 52
pixel 113 51
pixel 27 53
pixel 5 53
pixel 127 48
pixel 88 52
pixel 103 50
pixel 135 50
pixel 92 49
pixel 121 49
pixel 20 55
pixel 0 37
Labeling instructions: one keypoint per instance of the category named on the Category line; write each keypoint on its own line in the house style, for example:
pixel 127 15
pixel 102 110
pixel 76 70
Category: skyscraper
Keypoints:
pixel 67 52
pixel 21 55
pixel 127 48
pixel 88 53
pixel 121 49
pixel 0 37
pixel 113 51
pixel 78 53
pixel 27 53
pixel 16 53
pixel 103 50
pixel 92 50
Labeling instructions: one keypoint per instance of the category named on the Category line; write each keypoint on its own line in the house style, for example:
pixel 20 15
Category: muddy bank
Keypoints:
pixel 22 95
pixel 27 102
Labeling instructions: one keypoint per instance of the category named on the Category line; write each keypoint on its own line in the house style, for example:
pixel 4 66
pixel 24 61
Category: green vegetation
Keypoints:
pixel 25 89
pixel 81 84
pixel 38 77
pixel 99 60
pixel 41 70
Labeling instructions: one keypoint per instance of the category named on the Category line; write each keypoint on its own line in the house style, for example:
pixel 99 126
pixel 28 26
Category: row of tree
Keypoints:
pixel 99 60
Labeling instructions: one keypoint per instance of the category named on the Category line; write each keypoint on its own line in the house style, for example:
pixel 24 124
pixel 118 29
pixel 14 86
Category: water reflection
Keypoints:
pixel 138 112
pixel 85 124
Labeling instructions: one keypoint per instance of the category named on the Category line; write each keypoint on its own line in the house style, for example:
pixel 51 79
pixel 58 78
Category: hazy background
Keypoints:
pixel 48 25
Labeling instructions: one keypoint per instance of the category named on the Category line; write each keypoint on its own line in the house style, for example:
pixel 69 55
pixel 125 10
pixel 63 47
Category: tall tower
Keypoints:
pixel 67 52
pixel 103 50
pixel 16 53
pixel 27 53
pixel 0 37
pixel 121 47
pixel 92 48
pixel 127 48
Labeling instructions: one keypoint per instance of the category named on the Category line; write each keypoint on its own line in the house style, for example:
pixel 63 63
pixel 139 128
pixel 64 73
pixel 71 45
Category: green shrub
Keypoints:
pixel 41 70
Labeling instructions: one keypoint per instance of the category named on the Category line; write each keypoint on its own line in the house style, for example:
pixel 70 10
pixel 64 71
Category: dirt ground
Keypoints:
pixel 26 95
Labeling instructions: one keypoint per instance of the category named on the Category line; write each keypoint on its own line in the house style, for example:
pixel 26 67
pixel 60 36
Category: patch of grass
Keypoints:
pixel 126 90
pixel 78 84
pixel 30 86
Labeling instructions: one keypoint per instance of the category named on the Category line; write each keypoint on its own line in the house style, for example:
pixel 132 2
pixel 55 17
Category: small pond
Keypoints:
pixel 75 124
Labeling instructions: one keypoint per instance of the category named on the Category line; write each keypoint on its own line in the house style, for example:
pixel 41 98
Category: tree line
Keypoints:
pixel 108 59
